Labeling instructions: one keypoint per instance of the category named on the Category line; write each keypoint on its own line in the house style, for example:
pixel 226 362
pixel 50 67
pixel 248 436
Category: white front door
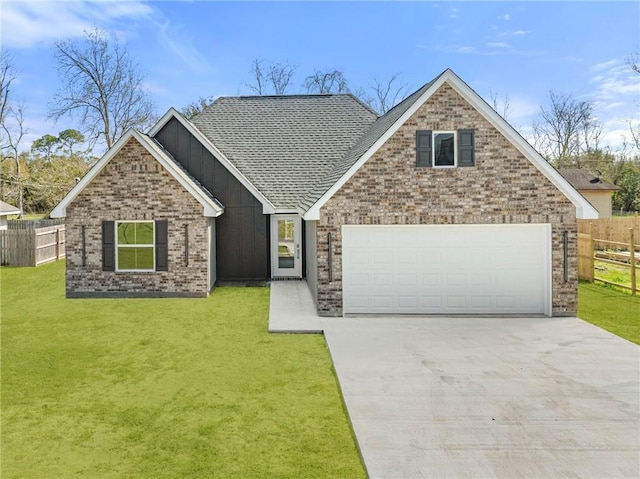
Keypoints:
pixel 286 254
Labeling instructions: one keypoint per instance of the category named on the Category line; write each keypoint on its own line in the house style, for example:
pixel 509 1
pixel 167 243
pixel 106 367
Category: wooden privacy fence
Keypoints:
pixel 615 228
pixel 617 253
pixel 32 243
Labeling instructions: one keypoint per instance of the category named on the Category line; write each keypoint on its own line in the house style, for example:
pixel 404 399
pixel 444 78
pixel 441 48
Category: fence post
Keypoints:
pixel 591 253
pixel 632 260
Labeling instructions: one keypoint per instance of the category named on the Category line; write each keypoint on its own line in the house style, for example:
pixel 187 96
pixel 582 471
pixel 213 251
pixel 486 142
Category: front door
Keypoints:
pixel 286 254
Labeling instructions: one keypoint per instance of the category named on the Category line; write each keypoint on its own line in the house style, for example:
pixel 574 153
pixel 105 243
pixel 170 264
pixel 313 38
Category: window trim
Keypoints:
pixel 433 148
pixel 118 246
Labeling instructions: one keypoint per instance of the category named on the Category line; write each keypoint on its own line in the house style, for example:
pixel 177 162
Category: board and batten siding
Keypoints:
pixel 242 232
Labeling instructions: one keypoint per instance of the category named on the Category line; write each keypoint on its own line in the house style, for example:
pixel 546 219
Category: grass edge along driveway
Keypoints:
pixel 609 309
pixel 162 387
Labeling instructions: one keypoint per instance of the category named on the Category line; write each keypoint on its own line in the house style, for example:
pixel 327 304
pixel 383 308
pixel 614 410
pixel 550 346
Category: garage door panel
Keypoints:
pixel 408 303
pixel 359 256
pixel 481 303
pixel 381 256
pixel 383 302
pixel 407 279
pixel 407 256
pixel 383 279
pixel 457 303
pixel 432 279
pixel 447 269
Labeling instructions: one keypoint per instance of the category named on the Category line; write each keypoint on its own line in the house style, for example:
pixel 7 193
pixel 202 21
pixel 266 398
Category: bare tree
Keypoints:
pixel 502 106
pixel 566 130
pixel 271 78
pixel 633 61
pixel 196 107
pixel 7 77
pixel 386 93
pixel 13 130
pixel 102 86
pixel 324 82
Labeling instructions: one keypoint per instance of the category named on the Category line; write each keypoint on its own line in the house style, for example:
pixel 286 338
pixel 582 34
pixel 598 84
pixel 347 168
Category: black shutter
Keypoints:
pixel 466 154
pixel 162 247
pixel 108 246
pixel 423 148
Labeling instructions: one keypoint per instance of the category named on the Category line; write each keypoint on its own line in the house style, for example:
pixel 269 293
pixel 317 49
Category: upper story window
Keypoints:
pixel 445 149
pixel 135 246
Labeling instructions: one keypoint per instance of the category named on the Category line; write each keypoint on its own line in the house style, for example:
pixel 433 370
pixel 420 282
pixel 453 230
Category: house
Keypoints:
pixel 436 207
pixel 593 188
pixel 6 210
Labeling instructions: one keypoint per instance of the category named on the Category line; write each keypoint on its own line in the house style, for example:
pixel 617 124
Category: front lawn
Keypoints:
pixel 610 309
pixel 152 388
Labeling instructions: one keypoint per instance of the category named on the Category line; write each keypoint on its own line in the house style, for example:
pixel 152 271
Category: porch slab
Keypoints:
pixel 292 310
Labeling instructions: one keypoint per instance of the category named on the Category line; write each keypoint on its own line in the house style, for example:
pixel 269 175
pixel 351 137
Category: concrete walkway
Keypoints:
pixel 291 308
pixel 487 397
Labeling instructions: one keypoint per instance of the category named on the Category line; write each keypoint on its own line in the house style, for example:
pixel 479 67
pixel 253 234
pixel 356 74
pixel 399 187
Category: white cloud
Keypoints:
pixel 453 13
pixel 506 17
pixel 466 50
pixel 612 106
pixel 182 46
pixel 519 32
pixel 613 80
pixel 26 24
pixel 498 45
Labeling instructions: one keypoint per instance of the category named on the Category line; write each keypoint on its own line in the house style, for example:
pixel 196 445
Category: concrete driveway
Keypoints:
pixel 487 397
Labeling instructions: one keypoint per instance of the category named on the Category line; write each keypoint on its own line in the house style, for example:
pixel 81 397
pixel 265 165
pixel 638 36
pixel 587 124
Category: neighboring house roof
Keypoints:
pixel 406 109
pixel 585 180
pixel 6 209
pixel 285 144
pixel 211 206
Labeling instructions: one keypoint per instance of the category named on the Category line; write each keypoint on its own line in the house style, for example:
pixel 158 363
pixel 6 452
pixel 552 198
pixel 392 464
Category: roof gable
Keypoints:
pixel 211 207
pixel 380 132
pixel 267 205
pixel 284 144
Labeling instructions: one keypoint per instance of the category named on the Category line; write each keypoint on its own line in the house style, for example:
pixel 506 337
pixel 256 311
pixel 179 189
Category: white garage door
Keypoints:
pixel 447 269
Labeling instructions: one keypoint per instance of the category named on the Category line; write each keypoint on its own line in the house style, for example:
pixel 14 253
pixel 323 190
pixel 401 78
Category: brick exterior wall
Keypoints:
pixel 134 186
pixel 503 187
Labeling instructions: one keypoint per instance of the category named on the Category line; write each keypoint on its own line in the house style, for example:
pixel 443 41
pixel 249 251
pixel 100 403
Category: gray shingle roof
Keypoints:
pixel 285 144
pixel 585 180
pixel 366 141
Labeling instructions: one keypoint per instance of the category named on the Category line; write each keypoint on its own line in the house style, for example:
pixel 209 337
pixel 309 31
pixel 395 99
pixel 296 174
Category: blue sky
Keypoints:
pixel 203 48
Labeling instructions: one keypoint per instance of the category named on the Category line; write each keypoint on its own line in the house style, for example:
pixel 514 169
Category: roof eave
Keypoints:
pixel 584 209
pixel 210 207
pixel 267 206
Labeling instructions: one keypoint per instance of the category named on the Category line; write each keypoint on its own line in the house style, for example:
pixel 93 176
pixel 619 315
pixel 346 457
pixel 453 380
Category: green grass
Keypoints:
pixel 615 274
pixel 609 309
pixel 153 388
